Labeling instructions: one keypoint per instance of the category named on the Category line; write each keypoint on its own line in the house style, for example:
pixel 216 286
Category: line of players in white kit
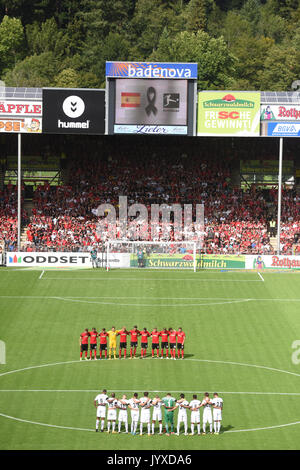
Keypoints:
pixel 212 413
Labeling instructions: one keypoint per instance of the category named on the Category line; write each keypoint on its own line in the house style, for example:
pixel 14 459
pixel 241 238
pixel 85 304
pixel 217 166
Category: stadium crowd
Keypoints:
pixel 236 221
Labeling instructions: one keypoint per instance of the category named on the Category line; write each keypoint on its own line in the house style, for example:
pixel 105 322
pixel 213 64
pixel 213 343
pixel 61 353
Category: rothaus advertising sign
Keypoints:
pixel 281 112
pixel 73 111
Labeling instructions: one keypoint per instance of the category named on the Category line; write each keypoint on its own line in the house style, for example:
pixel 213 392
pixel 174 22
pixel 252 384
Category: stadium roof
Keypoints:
pixel 279 97
pixel 271 97
pixel 20 93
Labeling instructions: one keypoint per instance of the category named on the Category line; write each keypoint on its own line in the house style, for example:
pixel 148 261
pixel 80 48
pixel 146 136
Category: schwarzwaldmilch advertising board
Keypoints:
pixel 73 111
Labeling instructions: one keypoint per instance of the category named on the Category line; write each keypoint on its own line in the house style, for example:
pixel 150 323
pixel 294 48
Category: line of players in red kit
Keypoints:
pixel 171 340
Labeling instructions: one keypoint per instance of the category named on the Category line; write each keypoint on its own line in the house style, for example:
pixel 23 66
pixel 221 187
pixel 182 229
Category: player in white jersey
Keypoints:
pixel 112 403
pixel 182 405
pixel 123 417
pixel 100 404
pixel 207 415
pixel 195 414
pixel 217 412
pixel 145 404
pixel 133 405
pixel 157 414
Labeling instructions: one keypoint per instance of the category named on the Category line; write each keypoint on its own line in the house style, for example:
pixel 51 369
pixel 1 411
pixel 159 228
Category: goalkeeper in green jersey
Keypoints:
pixel 94 258
pixel 169 404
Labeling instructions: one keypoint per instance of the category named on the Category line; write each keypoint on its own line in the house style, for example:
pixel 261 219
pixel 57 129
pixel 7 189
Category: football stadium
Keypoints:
pixel 149 263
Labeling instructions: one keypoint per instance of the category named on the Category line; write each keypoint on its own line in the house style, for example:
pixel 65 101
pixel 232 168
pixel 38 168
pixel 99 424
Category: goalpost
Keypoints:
pixel 151 255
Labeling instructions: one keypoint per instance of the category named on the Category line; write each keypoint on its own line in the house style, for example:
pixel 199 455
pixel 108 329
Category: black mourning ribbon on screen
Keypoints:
pixel 151 96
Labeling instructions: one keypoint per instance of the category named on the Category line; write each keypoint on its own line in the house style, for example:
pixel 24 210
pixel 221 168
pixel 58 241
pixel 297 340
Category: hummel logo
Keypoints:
pixel 73 106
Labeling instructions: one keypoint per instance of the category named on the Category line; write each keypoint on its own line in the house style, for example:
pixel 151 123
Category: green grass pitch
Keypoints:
pixel 240 329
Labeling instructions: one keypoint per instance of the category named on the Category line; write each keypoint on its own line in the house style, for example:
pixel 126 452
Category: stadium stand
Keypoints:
pixel 236 220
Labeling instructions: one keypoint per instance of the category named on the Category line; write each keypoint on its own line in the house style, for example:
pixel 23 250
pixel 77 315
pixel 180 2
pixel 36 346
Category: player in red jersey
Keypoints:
pixel 93 343
pixel 164 343
pixel 155 342
pixel 180 342
pixel 103 342
pixel 84 343
pixel 134 341
pixel 123 341
pixel 144 342
pixel 172 339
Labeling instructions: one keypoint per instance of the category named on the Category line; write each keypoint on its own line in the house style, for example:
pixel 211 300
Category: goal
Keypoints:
pixel 153 255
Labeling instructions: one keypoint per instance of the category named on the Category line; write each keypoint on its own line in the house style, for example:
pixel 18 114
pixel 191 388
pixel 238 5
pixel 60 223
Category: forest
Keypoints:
pixel 238 44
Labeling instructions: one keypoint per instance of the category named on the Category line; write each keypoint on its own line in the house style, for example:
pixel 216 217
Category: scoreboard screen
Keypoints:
pixel 156 102
pixel 151 98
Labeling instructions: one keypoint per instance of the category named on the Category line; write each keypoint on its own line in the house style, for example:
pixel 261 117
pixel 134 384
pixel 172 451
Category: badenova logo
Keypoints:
pixel 228 101
pixel 152 70
pixel 158 72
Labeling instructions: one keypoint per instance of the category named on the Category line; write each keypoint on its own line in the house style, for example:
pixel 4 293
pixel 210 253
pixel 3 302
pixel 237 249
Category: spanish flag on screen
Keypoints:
pixel 130 100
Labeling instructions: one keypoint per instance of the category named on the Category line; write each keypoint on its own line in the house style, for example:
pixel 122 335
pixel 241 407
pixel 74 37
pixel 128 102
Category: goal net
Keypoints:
pixel 156 255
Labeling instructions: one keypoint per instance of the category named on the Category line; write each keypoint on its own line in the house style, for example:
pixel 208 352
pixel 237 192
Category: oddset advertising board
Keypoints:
pixel 61 260
pixel 228 114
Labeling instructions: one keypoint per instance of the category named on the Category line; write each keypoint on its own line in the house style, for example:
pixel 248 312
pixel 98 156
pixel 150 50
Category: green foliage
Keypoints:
pixel 237 43
pixel 67 78
pixel 11 41
pixel 46 37
pixel 197 14
pixel 34 71
pixel 216 63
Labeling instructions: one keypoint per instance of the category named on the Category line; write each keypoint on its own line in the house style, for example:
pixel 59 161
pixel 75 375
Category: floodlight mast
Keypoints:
pixel 19 193
pixel 279 195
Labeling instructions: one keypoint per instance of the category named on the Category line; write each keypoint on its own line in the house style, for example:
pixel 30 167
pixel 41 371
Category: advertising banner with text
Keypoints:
pixel 280 129
pixel 227 114
pixel 285 262
pixel 157 260
pixel 280 112
pixel 23 125
pixel 62 260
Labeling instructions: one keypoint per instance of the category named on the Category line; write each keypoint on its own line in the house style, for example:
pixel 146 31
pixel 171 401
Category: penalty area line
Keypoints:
pixel 261 277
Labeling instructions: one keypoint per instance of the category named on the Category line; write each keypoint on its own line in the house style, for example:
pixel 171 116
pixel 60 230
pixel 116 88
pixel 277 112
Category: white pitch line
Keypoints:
pixel 198 360
pixel 173 279
pixel 152 305
pixel 42 274
pixel 261 277
pixel 44 424
pixel 273 369
pixel 93 430
pixel 226 299
pixel 150 391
